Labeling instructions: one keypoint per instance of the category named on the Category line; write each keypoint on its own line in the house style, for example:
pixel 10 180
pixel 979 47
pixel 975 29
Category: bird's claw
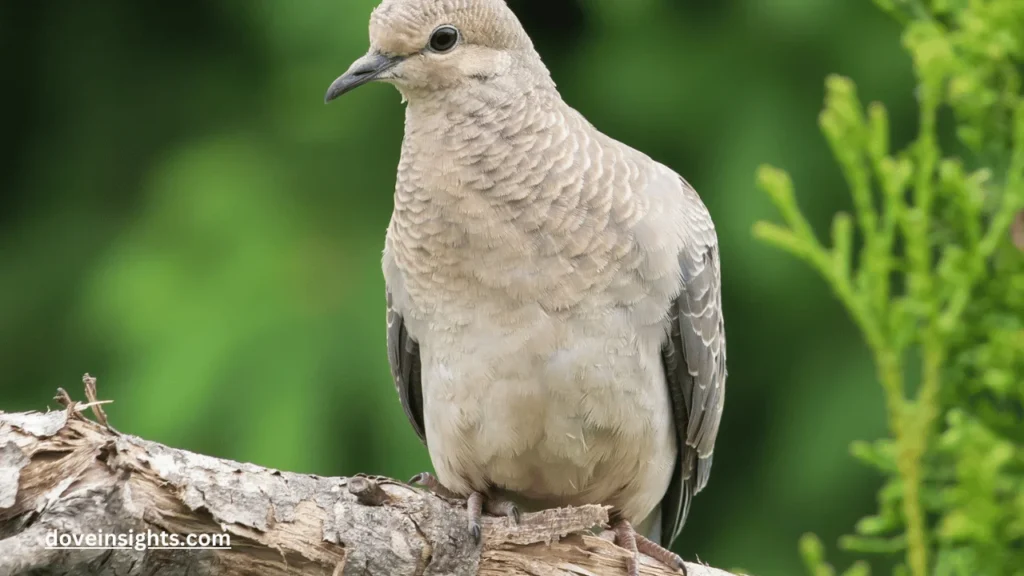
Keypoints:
pixel 425 479
pixel 474 508
pixel 626 537
pixel 506 508
pixel 660 553
pixel 430 482
pixel 476 504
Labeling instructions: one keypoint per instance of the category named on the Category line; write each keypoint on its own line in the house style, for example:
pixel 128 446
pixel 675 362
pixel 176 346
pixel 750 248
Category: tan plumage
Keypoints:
pixel 554 295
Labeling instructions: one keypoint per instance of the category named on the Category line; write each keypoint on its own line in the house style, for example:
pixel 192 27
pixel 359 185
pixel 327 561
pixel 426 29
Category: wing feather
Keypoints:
pixel 694 362
pixel 404 357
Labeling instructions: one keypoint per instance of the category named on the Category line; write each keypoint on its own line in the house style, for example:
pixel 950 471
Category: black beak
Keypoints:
pixel 366 69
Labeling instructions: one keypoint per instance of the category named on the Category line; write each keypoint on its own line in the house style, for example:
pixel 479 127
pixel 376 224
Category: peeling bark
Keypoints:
pixel 60 472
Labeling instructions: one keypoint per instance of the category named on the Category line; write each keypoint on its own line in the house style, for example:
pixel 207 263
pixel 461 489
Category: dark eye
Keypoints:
pixel 444 39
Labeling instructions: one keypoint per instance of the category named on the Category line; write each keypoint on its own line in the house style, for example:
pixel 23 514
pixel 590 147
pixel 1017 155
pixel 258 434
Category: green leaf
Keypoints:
pixel 873 545
pixel 813 553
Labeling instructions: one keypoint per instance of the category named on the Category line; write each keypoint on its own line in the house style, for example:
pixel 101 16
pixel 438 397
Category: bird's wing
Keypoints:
pixel 404 357
pixel 694 361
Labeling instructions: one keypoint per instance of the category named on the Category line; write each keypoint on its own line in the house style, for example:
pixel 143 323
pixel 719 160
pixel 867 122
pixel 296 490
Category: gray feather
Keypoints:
pixel 404 357
pixel 694 362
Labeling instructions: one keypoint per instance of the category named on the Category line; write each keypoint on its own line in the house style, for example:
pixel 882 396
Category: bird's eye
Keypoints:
pixel 444 39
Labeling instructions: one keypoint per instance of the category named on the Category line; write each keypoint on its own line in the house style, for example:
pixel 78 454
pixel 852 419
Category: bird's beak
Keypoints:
pixel 366 69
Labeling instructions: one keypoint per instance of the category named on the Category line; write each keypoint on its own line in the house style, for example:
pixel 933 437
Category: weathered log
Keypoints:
pixel 61 474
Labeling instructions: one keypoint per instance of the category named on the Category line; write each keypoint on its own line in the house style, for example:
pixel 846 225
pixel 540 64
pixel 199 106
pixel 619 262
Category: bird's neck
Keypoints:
pixel 471 141
pixel 496 101
pixel 483 156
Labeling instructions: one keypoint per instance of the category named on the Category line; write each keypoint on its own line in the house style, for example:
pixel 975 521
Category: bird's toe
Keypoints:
pixel 501 507
pixel 474 509
pixel 660 553
pixel 430 482
pixel 626 537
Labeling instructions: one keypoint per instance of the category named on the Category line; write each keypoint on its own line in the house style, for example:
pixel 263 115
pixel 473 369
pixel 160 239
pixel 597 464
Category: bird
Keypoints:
pixel 554 312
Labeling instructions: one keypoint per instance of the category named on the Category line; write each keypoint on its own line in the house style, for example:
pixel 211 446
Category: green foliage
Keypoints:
pixel 813 553
pixel 936 286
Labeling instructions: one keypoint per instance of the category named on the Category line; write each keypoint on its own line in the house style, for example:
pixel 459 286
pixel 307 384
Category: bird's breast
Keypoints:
pixel 551 410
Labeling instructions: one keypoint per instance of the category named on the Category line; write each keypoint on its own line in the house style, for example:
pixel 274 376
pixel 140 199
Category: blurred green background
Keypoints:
pixel 183 217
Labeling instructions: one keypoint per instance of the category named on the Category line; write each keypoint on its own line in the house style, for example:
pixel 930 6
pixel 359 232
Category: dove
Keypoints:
pixel 554 314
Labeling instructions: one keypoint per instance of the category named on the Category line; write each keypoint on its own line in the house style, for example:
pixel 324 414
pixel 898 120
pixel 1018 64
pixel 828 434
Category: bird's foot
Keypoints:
pixel 430 482
pixel 476 504
pixel 626 537
pixel 660 553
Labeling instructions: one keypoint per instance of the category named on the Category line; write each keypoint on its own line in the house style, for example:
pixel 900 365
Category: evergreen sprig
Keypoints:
pixel 935 280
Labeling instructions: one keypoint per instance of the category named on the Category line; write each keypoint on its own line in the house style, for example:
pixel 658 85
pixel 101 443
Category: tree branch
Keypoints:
pixel 63 474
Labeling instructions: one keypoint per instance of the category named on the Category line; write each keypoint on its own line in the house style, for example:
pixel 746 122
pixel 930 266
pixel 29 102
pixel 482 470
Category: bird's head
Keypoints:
pixel 438 47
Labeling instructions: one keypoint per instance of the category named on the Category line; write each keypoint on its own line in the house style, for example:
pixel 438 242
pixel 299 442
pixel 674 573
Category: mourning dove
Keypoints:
pixel 554 314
